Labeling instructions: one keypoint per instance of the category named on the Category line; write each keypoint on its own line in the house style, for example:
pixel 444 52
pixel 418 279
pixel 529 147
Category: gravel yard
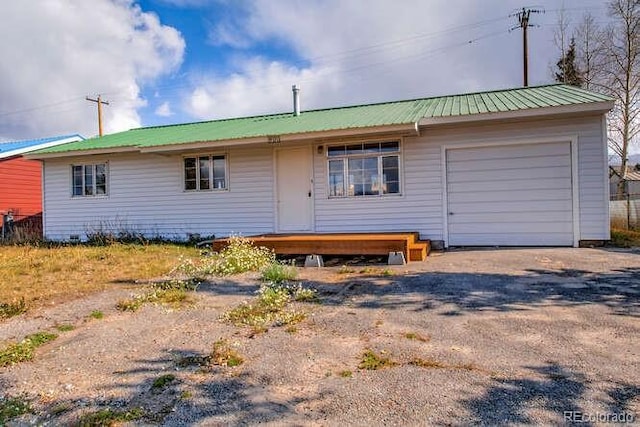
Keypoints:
pixel 522 336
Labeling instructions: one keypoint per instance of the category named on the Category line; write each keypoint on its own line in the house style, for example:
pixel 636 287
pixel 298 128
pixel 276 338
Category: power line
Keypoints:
pixel 100 103
pixel 523 22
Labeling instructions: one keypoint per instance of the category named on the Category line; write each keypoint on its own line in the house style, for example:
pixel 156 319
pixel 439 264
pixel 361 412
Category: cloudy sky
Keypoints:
pixel 171 61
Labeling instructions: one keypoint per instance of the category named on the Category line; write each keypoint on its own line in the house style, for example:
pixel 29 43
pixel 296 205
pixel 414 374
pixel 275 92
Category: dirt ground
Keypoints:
pixel 522 336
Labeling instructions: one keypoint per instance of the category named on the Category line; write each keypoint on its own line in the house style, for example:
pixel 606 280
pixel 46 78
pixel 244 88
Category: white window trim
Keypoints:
pixel 211 156
pixel 107 190
pixel 379 156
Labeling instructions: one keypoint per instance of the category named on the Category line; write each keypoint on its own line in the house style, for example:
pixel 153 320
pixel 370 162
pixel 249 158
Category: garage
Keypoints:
pixel 510 195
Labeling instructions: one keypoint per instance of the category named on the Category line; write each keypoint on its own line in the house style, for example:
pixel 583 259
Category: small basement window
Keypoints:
pixel 89 180
pixel 366 169
pixel 205 173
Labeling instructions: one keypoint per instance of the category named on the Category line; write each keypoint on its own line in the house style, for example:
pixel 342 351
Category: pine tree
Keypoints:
pixel 568 71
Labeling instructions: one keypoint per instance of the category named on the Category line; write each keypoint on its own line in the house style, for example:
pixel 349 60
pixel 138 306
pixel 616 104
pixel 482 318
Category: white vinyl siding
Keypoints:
pixel 146 191
pixel 511 195
pixel 420 208
pixel 146 195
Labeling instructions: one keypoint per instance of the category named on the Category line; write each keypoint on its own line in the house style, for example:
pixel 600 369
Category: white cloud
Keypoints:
pixel 164 110
pixel 62 50
pixel 368 51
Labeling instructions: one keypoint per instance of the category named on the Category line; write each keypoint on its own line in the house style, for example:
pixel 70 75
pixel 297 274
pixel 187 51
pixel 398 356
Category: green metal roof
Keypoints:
pixel 343 118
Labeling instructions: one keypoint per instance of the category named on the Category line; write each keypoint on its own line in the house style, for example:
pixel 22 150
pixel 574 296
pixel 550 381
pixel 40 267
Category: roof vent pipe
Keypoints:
pixel 296 100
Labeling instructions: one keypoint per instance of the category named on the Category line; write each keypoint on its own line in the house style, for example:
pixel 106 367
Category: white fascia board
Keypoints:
pixel 594 107
pixel 409 128
pixel 40 146
pixel 80 153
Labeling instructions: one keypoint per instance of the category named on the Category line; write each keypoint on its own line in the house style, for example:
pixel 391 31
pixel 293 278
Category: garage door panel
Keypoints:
pixel 509 227
pixel 509 174
pixel 523 184
pixel 512 208
pixel 510 195
pixel 531 239
pixel 507 152
pixel 522 164
pixel 483 218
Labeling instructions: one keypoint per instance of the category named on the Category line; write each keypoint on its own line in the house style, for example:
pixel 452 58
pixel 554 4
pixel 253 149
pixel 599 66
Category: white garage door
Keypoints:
pixel 514 195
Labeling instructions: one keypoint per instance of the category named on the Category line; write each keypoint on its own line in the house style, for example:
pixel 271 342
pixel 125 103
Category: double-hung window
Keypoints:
pixel 89 180
pixel 367 169
pixel 205 173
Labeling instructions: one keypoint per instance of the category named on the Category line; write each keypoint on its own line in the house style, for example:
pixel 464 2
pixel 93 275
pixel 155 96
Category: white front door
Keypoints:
pixel 294 189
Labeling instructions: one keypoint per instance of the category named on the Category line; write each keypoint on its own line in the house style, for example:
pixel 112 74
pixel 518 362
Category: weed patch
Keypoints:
pixel 415 336
pixel 223 355
pixel 624 238
pixel 12 407
pixel 279 273
pixel 436 364
pixel 108 417
pixel 346 374
pixel 172 293
pixel 24 350
pixel 96 314
pixel 162 381
pixel 269 308
pixel 65 328
pixel 10 309
pixel 239 256
pixel 373 361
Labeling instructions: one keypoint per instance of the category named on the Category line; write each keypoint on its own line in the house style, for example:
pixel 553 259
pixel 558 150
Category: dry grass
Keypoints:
pixel 625 238
pixel 45 275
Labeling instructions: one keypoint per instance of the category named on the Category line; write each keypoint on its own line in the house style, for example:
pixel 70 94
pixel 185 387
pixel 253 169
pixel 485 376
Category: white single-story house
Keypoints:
pixel 525 166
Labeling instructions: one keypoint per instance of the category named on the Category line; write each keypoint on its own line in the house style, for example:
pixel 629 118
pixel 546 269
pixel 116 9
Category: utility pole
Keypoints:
pixel 523 23
pixel 100 102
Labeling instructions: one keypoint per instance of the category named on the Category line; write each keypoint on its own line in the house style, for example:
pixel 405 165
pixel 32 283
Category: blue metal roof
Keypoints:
pixel 33 144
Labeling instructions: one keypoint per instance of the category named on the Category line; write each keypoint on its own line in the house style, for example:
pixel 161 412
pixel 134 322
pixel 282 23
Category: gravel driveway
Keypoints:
pixel 522 336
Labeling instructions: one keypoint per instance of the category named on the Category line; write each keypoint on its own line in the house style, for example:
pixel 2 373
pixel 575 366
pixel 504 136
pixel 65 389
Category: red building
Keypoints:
pixel 21 182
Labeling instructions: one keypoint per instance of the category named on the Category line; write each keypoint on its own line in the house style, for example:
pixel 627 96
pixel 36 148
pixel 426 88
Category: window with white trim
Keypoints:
pixel 203 173
pixel 366 169
pixel 89 180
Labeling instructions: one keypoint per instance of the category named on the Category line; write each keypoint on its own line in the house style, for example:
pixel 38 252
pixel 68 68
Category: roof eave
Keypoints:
pixel 405 128
pixel 78 153
pixel 592 107
pixel 25 150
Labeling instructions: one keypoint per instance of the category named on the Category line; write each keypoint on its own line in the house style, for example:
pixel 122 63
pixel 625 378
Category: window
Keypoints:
pixel 205 173
pixel 89 180
pixel 369 169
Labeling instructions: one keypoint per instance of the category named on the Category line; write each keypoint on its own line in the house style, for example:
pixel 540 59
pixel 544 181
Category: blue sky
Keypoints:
pixel 170 61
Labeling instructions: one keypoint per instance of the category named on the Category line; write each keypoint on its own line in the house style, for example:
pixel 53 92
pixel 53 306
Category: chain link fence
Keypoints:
pixel 625 211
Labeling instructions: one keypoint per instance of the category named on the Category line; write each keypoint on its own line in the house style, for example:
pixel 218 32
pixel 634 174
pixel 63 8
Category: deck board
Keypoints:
pixel 409 243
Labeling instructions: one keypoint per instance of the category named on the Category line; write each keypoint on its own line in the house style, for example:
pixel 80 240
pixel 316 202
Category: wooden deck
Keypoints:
pixel 409 243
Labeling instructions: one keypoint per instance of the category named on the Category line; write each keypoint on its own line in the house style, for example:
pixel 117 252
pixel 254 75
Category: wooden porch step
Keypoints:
pixel 341 244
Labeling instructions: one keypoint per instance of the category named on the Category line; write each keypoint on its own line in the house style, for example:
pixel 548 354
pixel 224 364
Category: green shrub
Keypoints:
pixel 96 314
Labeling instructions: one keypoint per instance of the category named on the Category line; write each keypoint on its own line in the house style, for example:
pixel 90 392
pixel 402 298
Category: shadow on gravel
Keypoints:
pixel 511 401
pixel 466 292
pixel 553 388
pixel 171 392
